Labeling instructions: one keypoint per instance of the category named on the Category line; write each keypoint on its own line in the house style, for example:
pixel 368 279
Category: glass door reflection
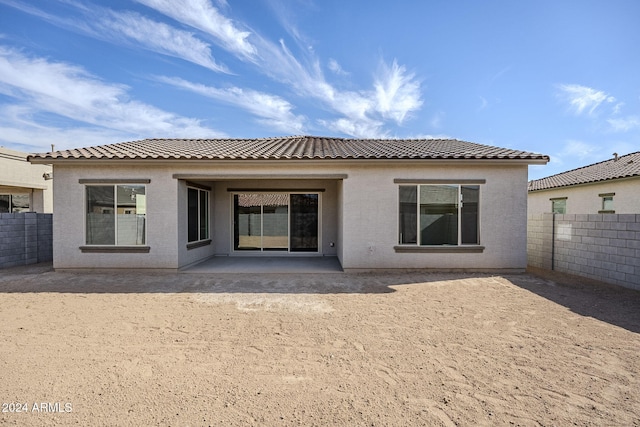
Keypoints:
pixel 285 222
pixel 247 210
pixel 275 222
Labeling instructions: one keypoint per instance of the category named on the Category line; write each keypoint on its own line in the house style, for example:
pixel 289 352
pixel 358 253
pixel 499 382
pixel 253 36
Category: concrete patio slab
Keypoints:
pixel 315 264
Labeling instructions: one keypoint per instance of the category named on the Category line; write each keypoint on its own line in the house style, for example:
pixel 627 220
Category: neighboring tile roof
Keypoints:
pixel 294 147
pixel 622 167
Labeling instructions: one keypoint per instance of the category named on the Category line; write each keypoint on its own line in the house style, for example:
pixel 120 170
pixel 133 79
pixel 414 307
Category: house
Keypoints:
pixel 611 186
pixel 24 187
pixel 373 204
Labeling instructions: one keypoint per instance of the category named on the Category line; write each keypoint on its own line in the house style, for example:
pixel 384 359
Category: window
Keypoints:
pixel 116 215
pixel 432 215
pixel 12 203
pixel 197 214
pixel 559 206
pixel 607 203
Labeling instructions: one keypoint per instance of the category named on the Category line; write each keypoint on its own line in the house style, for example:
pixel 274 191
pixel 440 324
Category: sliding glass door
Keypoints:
pixel 304 223
pixel 275 222
pixel 247 220
pixel 275 216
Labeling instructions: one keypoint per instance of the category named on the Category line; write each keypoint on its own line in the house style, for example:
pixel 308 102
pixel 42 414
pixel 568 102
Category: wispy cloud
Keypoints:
pixel 499 74
pixel 430 136
pixel 363 128
pixel 618 107
pixel 335 67
pixel 624 124
pixel 397 92
pixel 20 129
pixel 436 120
pixel 575 152
pixel 583 99
pixel 271 110
pixel 201 14
pixel 393 96
pixel 483 103
pixel 579 149
pixel 39 86
pixel 132 30
pixel 155 36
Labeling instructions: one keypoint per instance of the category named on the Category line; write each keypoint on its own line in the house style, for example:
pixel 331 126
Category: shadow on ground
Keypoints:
pixel 41 278
pixel 609 303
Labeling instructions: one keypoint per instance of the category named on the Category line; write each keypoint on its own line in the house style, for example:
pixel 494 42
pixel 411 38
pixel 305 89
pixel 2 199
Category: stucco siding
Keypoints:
pixel 584 199
pixel 69 218
pixel 359 212
pixel 340 221
pixel 371 218
pixel 18 176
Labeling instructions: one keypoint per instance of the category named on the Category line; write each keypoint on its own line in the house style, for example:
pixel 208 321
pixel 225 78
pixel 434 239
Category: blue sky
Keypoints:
pixel 556 77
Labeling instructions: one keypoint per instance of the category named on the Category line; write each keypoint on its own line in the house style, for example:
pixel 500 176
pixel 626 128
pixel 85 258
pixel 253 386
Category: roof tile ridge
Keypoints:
pixel 628 154
pixel 575 170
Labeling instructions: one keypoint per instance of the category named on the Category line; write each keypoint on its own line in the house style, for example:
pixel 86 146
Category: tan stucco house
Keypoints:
pixel 611 186
pixel 373 204
pixel 24 187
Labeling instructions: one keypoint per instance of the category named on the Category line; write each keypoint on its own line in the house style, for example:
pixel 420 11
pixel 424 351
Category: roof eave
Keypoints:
pixel 582 184
pixel 149 160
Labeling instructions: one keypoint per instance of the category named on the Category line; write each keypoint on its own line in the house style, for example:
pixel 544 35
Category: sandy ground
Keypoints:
pixel 324 349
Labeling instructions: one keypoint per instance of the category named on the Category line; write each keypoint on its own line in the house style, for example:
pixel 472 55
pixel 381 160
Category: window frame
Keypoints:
pixel 200 241
pixel 289 192
pixel 114 248
pixel 603 198
pixel 459 246
pixel 12 205
pixel 555 200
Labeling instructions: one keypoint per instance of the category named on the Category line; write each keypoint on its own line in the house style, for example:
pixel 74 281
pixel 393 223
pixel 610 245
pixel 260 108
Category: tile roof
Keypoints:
pixel 293 147
pixel 622 167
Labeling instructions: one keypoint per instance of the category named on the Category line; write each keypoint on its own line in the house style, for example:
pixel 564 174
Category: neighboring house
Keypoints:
pixel 611 186
pixel 24 187
pixel 373 204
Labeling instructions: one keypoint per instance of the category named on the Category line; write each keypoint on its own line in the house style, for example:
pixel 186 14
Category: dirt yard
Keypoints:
pixel 325 349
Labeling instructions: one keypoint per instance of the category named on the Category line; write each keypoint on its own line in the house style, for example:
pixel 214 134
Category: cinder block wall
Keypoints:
pixel 604 247
pixel 539 240
pixel 25 238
